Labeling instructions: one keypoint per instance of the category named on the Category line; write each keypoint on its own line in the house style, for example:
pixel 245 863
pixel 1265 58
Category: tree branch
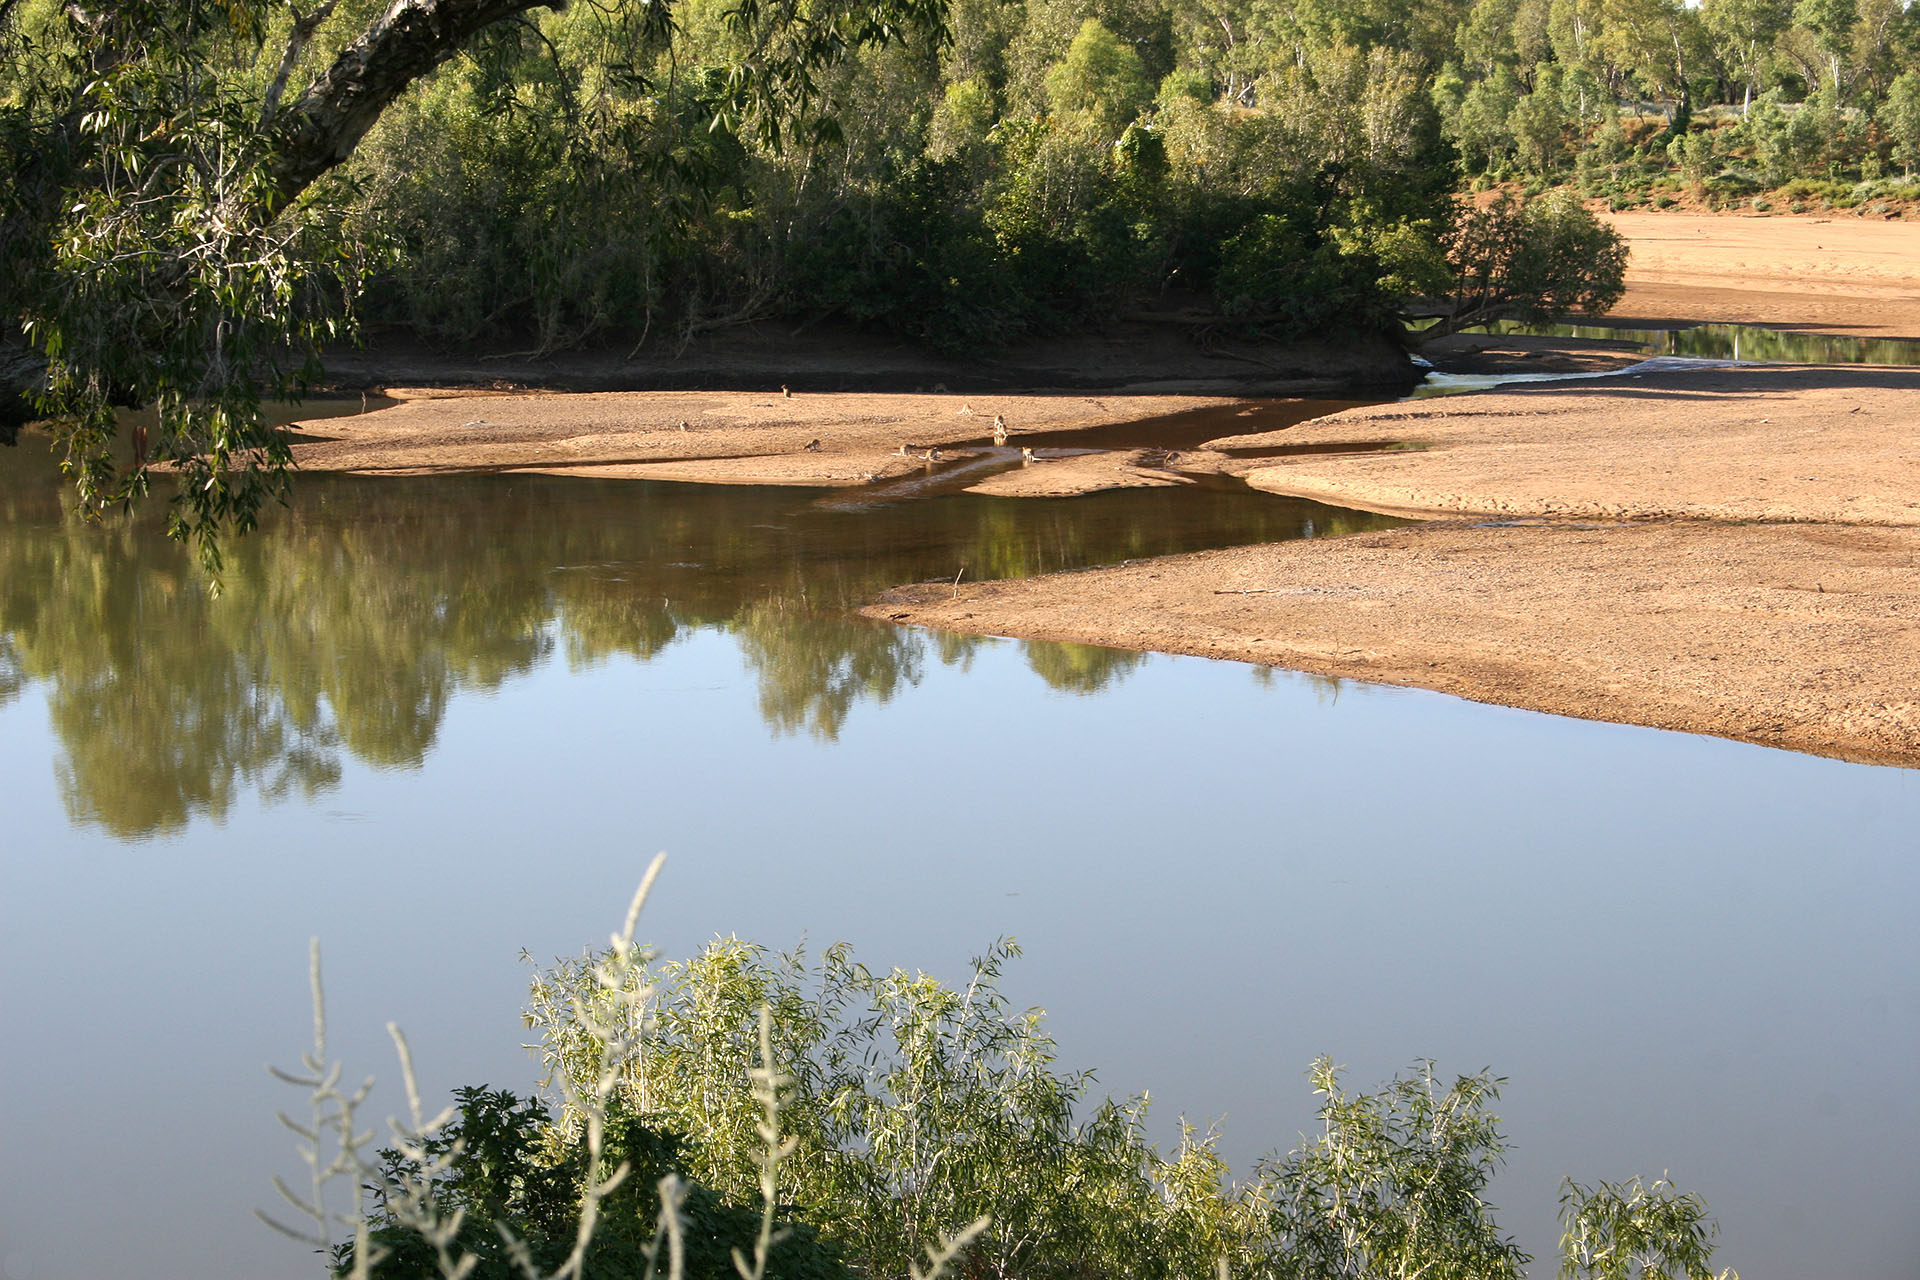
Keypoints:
pixel 324 125
pixel 304 27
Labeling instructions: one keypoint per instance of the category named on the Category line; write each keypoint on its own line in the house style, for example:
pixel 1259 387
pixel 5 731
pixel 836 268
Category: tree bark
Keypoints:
pixel 22 375
pixel 324 125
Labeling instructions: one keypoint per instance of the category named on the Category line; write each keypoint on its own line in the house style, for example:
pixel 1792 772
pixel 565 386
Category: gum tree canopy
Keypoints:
pixel 170 241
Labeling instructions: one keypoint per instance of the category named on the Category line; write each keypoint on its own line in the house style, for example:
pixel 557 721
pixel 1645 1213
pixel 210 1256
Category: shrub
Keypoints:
pixel 509 1175
pixel 873 1117
pixel 913 1108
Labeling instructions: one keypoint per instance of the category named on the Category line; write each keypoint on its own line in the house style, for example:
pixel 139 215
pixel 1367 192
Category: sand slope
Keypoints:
pixel 1839 273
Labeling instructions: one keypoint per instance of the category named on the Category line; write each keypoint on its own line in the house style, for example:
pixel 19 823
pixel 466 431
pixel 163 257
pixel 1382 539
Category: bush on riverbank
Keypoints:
pixel 894 1115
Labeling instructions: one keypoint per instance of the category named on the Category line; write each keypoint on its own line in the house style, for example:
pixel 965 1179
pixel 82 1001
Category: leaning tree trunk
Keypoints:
pixel 314 133
pixel 321 128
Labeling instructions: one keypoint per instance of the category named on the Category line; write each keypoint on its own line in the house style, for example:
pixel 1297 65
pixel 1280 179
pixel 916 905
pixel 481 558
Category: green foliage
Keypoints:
pixel 169 278
pixel 510 1175
pixel 914 1108
pixel 1900 116
pixel 1393 1186
pixel 1540 124
pixel 1635 1231
pixel 1278 274
pixel 1101 83
pixel 884 1106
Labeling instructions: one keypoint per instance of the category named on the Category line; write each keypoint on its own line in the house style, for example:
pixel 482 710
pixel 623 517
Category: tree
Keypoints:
pixel 1900 116
pixel 1832 23
pixel 1743 32
pixel 1539 122
pixel 1518 260
pixel 1101 81
pixel 1635 1231
pixel 1393 1186
pixel 167 240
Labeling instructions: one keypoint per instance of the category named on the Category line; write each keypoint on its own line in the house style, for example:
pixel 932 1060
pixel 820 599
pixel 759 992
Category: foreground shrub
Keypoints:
pixel 875 1119
pixel 914 1108
pixel 510 1176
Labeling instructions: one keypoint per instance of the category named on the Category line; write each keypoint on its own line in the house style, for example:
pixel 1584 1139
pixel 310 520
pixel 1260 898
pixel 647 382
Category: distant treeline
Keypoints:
pixel 1721 101
pixel 961 174
pixel 1057 158
pixel 1047 163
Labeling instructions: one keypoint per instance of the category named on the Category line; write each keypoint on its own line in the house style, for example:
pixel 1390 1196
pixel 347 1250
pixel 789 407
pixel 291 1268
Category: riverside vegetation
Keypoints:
pixel 750 1115
pixel 180 229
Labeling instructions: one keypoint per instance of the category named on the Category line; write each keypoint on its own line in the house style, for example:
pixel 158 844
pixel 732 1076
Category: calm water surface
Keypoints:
pixel 1734 342
pixel 436 721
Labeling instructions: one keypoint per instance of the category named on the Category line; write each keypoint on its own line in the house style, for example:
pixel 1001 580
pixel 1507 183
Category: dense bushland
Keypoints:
pixel 1046 164
pixel 1723 103
pixel 1055 159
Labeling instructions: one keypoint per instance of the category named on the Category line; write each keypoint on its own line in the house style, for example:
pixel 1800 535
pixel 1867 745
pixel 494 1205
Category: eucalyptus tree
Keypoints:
pixel 1831 24
pixel 1743 32
pixel 1899 115
pixel 168 241
pixel 1657 44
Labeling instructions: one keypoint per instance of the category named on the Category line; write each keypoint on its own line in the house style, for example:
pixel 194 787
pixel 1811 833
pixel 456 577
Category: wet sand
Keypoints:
pixel 720 437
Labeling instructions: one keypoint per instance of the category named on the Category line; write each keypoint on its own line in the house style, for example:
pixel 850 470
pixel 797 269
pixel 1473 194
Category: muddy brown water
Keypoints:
pixel 436 720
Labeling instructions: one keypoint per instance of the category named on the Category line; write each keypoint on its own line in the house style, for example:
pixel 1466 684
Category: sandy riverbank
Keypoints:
pixel 1729 552
pixel 1726 552
pixel 1838 273
pixel 1734 552
pixel 1799 636
pixel 720 437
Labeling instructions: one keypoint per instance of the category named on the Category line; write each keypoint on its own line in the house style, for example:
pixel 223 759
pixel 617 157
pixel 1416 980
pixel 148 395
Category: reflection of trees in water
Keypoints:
pixel 13 676
pixel 1326 689
pixel 1080 668
pixel 163 707
pixel 1739 342
pixel 351 621
pixel 814 666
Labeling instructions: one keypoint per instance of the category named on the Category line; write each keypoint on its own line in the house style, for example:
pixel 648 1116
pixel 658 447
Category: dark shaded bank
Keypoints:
pixel 1140 355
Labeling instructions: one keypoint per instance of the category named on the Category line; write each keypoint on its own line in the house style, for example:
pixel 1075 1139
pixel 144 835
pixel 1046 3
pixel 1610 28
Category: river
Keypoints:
pixel 436 721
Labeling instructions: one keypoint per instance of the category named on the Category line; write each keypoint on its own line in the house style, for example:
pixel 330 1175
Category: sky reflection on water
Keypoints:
pixel 1687 954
